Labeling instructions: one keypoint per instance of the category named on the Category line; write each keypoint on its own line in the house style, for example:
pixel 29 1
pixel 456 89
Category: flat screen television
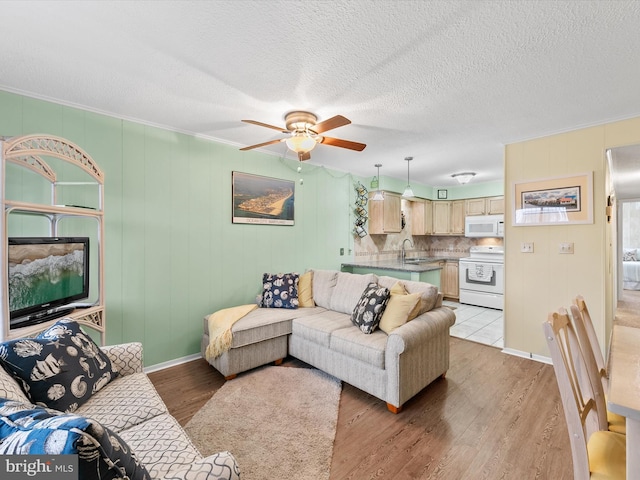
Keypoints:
pixel 46 274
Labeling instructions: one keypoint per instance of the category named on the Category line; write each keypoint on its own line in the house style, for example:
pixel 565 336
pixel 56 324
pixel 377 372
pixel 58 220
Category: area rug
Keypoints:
pixel 279 423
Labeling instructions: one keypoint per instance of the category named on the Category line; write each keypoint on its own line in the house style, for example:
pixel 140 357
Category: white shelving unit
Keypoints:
pixel 28 152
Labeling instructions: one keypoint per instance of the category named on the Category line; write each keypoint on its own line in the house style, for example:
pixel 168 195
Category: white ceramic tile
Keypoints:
pixel 478 324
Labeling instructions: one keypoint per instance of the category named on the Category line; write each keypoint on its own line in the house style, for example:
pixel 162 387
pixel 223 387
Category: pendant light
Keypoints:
pixel 378 195
pixel 408 193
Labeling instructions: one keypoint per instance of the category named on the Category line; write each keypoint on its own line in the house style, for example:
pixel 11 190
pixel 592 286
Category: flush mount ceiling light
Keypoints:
pixel 408 193
pixel 378 195
pixel 302 142
pixel 463 177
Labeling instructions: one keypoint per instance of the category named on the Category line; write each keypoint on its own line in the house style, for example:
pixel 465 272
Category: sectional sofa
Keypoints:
pixel 392 365
pixel 110 414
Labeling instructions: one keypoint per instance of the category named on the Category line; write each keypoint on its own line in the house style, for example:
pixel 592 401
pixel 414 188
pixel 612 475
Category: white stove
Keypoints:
pixel 482 277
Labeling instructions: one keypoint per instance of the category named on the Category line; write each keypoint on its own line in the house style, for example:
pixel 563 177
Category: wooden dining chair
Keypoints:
pixel 596 452
pixel 593 354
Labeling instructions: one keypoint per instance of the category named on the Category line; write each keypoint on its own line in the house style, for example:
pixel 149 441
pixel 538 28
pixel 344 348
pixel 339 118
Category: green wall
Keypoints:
pixel 172 253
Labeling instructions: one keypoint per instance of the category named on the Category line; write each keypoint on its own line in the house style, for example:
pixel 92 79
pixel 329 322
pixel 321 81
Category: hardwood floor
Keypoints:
pixel 494 416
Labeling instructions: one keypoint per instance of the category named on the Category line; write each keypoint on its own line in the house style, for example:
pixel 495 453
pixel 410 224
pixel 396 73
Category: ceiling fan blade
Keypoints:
pixel 330 124
pixel 271 142
pixel 338 142
pixel 260 124
pixel 304 156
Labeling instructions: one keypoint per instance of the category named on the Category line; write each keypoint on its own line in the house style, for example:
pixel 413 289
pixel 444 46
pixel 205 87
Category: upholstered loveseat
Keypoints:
pixel 393 365
pixel 123 428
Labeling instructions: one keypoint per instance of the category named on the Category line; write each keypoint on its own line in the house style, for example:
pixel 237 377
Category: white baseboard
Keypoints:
pixel 529 355
pixel 171 363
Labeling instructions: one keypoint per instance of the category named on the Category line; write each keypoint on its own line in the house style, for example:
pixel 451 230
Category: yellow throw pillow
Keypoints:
pixel 398 311
pixel 399 289
pixel 305 290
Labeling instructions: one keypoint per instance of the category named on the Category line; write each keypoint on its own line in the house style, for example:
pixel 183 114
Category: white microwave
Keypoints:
pixel 484 226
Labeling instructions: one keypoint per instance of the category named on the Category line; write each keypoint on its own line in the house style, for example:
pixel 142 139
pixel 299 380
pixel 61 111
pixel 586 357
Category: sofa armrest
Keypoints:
pixel 219 466
pixel 126 357
pixel 417 353
pixel 419 330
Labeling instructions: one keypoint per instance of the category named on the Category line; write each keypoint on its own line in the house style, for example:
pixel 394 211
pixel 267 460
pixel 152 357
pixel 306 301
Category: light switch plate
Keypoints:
pixel 526 247
pixel 565 247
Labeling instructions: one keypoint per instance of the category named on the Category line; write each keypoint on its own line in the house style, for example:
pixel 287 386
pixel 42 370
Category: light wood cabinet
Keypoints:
pixel 450 281
pixel 448 218
pixel 421 217
pixel 441 215
pixel 385 216
pixel 457 218
pixel 495 205
pixel 484 206
pixel 475 206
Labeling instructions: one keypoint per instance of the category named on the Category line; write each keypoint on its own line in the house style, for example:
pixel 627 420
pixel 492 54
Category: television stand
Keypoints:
pixel 41 317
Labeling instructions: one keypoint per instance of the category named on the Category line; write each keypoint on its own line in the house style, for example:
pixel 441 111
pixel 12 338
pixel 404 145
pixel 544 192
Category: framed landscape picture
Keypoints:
pixel 262 200
pixel 554 201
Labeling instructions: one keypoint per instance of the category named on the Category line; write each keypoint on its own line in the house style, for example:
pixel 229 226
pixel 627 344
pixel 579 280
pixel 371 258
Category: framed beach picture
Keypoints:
pixel 554 201
pixel 262 200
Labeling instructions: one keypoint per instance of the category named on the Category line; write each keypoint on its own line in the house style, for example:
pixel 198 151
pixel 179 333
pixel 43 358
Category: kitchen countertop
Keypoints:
pixel 425 265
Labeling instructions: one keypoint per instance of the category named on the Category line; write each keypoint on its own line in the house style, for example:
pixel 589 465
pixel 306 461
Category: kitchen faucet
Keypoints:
pixel 404 252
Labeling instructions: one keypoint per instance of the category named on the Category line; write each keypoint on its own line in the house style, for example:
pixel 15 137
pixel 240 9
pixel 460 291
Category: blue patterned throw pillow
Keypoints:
pixel 60 368
pixel 30 430
pixel 369 309
pixel 280 290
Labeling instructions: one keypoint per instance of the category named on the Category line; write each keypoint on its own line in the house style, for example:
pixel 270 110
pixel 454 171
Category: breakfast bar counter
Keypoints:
pixel 419 270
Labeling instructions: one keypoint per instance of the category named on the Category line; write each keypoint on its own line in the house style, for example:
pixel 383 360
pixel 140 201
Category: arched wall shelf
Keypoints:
pixel 28 152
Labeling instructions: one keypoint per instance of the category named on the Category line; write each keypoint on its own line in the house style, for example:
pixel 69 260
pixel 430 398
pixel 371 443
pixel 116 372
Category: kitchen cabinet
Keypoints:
pixel 484 206
pixel 448 217
pixel 385 216
pixel 450 280
pixel 495 205
pixel 457 218
pixel 421 217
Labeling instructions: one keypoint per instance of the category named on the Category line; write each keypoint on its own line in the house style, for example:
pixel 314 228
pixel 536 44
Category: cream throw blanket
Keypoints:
pixel 220 324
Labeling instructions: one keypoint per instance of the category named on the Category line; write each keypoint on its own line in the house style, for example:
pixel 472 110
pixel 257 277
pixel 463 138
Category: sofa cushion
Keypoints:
pixel 368 311
pixel 318 328
pixel 280 290
pixel 113 406
pixel 429 296
pixel 60 368
pixel 163 446
pixel 29 429
pixel 305 290
pixel 324 282
pixel 10 389
pixel 369 349
pixel 263 324
pixel 348 289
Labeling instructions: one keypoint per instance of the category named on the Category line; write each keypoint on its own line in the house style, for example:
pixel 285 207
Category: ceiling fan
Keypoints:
pixel 305 133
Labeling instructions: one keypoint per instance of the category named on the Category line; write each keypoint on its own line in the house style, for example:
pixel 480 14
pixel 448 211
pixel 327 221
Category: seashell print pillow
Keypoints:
pixel 60 368
pixel 279 290
pixel 30 430
pixel 369 309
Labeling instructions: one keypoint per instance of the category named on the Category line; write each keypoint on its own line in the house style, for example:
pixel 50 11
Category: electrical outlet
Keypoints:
pixel 526 247
pixel 341 251
pixel 565 247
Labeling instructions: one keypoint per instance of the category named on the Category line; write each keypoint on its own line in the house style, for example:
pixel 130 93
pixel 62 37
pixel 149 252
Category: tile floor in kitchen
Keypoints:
pixel 478 324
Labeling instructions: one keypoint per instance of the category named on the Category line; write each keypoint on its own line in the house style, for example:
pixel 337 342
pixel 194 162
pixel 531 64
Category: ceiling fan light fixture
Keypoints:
pixel 463 177
pixel 408 192
pixel 301 142
pixel 378 195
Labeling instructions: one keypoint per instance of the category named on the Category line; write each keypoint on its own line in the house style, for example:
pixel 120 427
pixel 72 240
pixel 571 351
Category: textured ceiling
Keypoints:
pixel 448 83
